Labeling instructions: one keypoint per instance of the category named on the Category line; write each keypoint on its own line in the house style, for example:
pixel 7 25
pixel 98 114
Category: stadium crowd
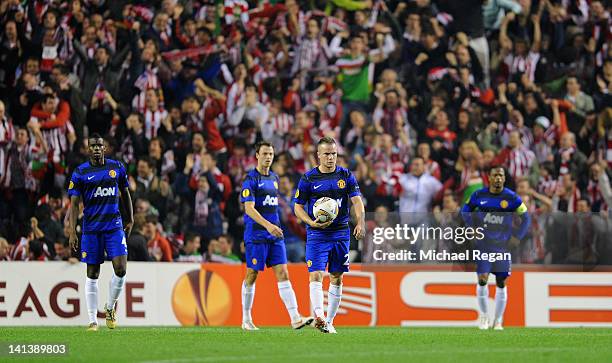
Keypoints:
pixel 423 97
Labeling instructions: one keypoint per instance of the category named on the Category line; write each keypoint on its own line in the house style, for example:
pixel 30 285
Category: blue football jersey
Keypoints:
pixel 340 185
pixel 98 187
pixel 263 190
pixel 494 213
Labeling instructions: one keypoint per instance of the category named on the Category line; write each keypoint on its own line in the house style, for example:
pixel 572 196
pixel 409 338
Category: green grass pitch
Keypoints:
pixel 382 344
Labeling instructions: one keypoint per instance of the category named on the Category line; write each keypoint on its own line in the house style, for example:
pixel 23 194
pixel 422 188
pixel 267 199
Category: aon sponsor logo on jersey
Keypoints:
pixel 493 219
pixel 104 192
pixel 270 200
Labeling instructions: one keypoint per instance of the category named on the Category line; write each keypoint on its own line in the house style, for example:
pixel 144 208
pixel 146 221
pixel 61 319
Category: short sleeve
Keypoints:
pixel 123 178
pixel 302 193
pixel 247 195
pixel 353 186
pixel 74 187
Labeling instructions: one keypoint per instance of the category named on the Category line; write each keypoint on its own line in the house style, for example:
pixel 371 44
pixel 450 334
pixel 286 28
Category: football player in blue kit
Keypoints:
pixel 99 183
pixel 327 244
pixel 493 209
pixel 263 237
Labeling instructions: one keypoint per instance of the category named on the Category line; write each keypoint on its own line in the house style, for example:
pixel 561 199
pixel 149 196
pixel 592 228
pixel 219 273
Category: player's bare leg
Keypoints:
pixel 501 298
pixel 91 296
pixel 115 287
pixel 316 300
pixel 334 296
pixel 482 293
pixel 285 290
pixel 248 294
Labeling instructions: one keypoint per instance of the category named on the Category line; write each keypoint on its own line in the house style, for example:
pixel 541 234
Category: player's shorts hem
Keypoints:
pixel 108 231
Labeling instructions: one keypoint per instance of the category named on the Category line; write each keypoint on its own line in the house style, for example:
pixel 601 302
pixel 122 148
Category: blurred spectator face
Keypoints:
pixel 193 245
pixel 10 29
pixel 32 66
pixel 530 103
pixel 360 17
pixel 152 100
pixel 313 28
pixel 522 187
pixel 240 73
pixel 423 3
pixel 464 75
pixel 133 122
pixel 4 248
pixel 101 57
pixel 213 247
pixel 514 139
pixel 567 140
pixel 381 214
pixel 441 121
pixel 97 21
pixel 50 21
pixel 487 156
pixel 391 99
pixel 49 105
pixel 2 110
pixel 578 41
pixel 268 59
pixel 356 45
pixel 225 246
pixel 526 5
pixel 538 131
pixel 520 47
pixel 143 169
pixel 161 21
pixel 583 206
pixel 417 167
pixel 301 120
pixel 190 28
pixel 150 230
pixel 142 206
pixel 286 185
pixel 413 22
pixel 148 55
pixel 573 86
pixel 463 119
pixel 357 119
pixel 155 149
pixel 197 142
pixel 595 171
pixel 22 137
pixel 437 101
pixel 90 34
pixel 597 10
pixel 388 78
pixel 60 250
pixel 168 6
pixel 449 204
pixel 463 55
pixel 386 141
pixel 424 151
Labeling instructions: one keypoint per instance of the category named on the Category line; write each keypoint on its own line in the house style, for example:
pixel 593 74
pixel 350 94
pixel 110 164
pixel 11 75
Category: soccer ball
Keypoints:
pixel 325 209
